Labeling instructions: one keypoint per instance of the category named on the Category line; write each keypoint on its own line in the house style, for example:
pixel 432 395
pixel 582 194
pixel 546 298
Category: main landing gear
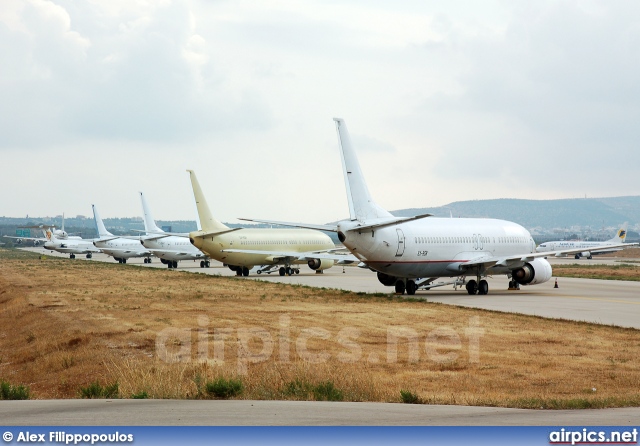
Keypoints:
pixel 72 256
pixel 204 264
pixel 288 271
pixel 147 260
pixel 172 264
pixel 409 286
pixel 121 260
pixel 480 287
pixel 88 255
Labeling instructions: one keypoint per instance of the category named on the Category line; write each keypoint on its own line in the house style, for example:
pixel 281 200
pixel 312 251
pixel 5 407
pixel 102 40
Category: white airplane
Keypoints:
pixel 273 249
pixel 71 246
pixel 169 248
pixel 60 234
pixel 412 252
pixel 120 248
pixel 588 247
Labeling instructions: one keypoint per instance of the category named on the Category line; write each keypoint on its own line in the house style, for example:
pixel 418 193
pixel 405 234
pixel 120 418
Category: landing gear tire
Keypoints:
pixel 207 264
pixel 411 287
pixel 483 287
pixel 282 271
pixel 175 263
pixel 170 264
pixel 124 260
pixel 148 259
pixel 298 271
pixel 400 287
pixel 201 263
pixel 590 257
pixel 289 271
pixel 145 260
pixel 72 256
pixel 239 271
pixel 245 271
pixel 259 271
pixel 472 287
pixel 577 257
pixel 89 256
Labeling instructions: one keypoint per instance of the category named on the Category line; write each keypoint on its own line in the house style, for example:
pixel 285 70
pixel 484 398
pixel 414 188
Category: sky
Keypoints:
pixel 445 101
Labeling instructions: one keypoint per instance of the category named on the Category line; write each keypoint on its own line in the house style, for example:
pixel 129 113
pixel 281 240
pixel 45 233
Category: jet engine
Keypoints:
pixel 531 273
pixel 386 279
pixel 320 264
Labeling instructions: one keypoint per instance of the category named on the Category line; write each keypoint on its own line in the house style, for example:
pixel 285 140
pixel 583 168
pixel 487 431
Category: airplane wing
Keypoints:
pixel 128 251
pixel 178 253
pixel 300 256
pixel 41 239
pixel 516 261
pixel 72 250
pixel 331 228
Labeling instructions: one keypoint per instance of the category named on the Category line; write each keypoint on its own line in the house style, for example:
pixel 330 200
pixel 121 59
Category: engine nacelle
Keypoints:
pixel 386 279
pixel 320 264
pixel 537 271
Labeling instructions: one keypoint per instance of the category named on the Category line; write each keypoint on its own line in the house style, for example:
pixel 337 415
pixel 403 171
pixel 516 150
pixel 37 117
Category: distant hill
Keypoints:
pixel 593 212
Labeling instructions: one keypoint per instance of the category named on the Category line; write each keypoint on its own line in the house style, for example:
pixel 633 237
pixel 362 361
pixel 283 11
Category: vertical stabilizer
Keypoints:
pixel 207 222
pixel 102 231
pixel 149 222
pixel 361 205
pixel 621 234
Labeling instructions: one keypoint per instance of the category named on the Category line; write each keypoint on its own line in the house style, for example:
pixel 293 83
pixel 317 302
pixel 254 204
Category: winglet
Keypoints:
pixel 102 231
pixel 361 205
pixel 207 222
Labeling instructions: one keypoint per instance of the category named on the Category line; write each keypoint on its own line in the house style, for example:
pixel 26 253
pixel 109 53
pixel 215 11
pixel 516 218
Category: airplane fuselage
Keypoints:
pixel 559 245
pixel 173 248
pixel 435 247
pixel 276 240
pixel 122 248
pixel 71 246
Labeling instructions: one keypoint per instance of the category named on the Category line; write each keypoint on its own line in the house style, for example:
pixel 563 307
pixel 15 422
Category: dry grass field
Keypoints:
pixel 164 334
pixel 622 271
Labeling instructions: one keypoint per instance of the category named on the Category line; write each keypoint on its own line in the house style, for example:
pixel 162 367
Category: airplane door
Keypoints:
pixel 400 250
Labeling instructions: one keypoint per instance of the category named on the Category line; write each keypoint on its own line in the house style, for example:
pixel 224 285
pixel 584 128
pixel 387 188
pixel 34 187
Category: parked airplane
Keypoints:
pixel 587 246
pixel 412 252
pixel 60 234
pixel 71 246
pixel 169 248
pixel 274 249
pixel 120 248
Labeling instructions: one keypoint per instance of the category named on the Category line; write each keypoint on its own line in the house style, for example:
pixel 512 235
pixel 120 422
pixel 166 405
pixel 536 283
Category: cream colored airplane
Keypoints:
pixel 243 248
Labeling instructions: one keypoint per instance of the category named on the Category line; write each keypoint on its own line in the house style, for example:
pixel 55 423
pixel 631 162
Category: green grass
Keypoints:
pixel 223 388
pixel 11 392
pixel 408 397
pixel 97 390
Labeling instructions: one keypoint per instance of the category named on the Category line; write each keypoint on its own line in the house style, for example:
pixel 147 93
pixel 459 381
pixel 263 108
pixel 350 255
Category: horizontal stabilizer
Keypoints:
pixel 395 221
pixel 331 228
pixel 216 233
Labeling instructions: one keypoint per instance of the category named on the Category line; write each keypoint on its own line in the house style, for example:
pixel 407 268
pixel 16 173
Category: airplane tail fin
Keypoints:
pixel 207 222
pixel 100 229
pixel 361 205
pixel 149 222
pixel 621 234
